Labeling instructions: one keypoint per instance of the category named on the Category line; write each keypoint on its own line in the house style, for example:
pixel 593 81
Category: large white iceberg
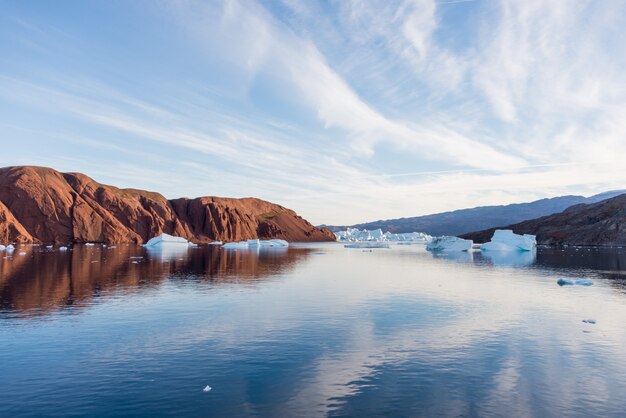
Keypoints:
pixel 165 239
pixel 506 240
pixel 377 235
pixel 446 243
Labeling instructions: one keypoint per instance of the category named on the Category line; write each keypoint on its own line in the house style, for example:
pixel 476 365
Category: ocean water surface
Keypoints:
pixel 313 330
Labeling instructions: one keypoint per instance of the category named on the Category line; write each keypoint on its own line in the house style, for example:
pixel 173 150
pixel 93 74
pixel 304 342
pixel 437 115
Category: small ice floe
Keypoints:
pixel 94 261
pixel 49 247
pixel 2 247
pixel 135 262
pixel 589 321
pixel 63 248
pixel 22 253
pixel 89 244
pixel 446 243
pixel 113 246
pixel 215 243
pixel 192 245
pixel 256 243
pixel 136 257
pixel 10 248
pixel 506 240
pixel 367 244
pixel 207 388
pixel 572 282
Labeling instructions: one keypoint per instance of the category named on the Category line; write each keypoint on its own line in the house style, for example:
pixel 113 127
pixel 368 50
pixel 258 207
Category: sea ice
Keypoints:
pixel 216 243
pixel 166 239
pixel 10 248
pixel 446 243
pixel 241 245
pixel 207 388
pixel 367 244
pixel 572 282
pixel 62 248
pixel 2 247
pixel 273 243
pixel 506 240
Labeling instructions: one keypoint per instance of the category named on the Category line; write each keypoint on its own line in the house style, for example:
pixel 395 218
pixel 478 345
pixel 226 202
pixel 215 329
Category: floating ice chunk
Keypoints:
pixel 446 243
pixel 274 243
pixel 89 244
pixel 207 388
pixel 137 257
pixel 589 321
pixel 216 243
pixel 367 244
pixel 22 253
pixel 165 239
pixel 192 245
pixel 49 247
pixel 62 248
pixel 506 240
pixel 10 248
pixel 2 247
pixel 241 245
pixel 572 282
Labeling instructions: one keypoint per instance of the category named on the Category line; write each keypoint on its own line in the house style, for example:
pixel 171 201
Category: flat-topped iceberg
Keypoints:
pixel 506 240
pixel 166 239
pixel 377 235
pixel 256 243
pixel 446 243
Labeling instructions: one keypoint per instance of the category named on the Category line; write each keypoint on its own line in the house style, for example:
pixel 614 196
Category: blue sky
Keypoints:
pixel 345 111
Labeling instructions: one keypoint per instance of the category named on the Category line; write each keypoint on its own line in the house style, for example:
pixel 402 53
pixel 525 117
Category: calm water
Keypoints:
pixel 316 330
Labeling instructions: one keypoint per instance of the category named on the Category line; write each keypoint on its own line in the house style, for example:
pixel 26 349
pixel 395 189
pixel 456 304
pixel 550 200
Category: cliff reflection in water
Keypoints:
pixel 42 281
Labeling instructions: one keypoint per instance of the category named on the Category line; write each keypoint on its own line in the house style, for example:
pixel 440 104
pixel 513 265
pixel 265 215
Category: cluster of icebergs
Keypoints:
pixel 377 235
pixel 9 248
pixel 503 240
pixel 169 241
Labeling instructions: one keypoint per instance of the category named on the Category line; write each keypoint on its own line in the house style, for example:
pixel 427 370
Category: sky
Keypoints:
pixel 345 111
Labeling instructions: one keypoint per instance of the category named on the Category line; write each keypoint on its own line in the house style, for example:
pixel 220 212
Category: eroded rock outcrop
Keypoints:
pixel 43 205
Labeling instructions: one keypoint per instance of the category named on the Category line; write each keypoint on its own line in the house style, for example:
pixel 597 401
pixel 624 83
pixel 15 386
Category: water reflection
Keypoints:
pixel 507 258
pixel 38 280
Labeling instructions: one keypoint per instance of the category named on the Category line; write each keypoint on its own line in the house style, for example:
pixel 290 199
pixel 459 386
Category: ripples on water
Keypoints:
pixel 314 330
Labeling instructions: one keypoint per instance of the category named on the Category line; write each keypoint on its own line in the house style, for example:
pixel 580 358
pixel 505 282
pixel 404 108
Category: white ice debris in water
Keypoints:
pixel 165 239
pixel 22 253
pixel 446 243
pixel 2 247
pixel 256 243
pixel 572 282
pixel 216 243
pixel 506 240
pixel 62 248
pixel 367 244
pixel 49 247
pixel 207 388
pixel 358 235
pixel 89 244
pixel 10 248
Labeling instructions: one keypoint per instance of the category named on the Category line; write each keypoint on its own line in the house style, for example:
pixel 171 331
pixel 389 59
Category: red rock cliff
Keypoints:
pixel 39 204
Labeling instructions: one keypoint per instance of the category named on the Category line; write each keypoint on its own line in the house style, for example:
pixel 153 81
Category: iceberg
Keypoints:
pixel 446 243
pixel 506 240
pixel 241 245
pixel 275 243
pixel 10 248
pixel 367 244
pixel 2 247
pixel 166 239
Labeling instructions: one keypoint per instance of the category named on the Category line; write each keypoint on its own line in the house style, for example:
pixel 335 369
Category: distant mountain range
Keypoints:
pixel 597 224
pixel 463 221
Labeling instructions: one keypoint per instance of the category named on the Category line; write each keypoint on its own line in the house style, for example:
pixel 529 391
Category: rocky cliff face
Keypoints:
pixel 40 204
pixel 598 224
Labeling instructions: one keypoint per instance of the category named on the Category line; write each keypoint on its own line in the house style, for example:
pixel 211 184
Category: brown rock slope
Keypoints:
pixel 39 204
pixel 597 224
